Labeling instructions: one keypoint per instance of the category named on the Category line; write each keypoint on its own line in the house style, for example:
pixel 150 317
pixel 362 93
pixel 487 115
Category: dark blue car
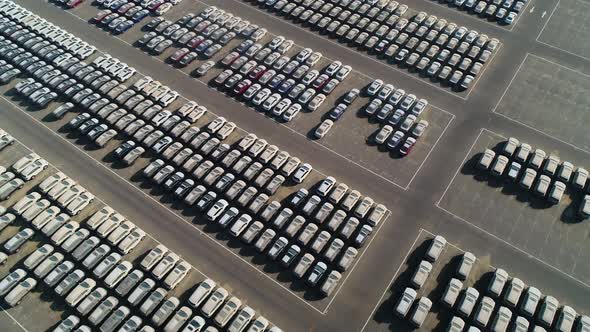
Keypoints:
pixel 140 15
pixel 124 26
pixel 336 112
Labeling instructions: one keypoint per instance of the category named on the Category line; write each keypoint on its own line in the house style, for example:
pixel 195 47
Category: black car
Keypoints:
pixel 298 197
pixel 124 148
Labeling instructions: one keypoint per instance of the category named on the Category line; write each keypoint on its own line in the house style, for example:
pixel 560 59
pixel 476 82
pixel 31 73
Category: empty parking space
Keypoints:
pixel 553 233
pixel 568 27
pixel 550 98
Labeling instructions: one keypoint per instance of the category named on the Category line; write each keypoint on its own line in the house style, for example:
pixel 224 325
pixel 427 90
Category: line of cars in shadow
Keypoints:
pixel 546 175
pixel 423 43
pixel 82 271
pixel 203 34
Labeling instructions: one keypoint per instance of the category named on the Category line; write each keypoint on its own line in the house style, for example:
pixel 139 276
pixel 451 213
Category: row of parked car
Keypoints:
pixel 419 277
pixel 520 163
pixel 103 262
pixel 37 27
pixel 438 49
pixel 492 312
pixel 395 110
pixel 202 34
pixel 502 11
pixel 278 84
pixel 26 168
pixel 506 295
pixel 253 199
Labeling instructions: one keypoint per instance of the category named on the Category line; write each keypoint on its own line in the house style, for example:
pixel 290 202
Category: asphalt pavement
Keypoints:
pixel 411 210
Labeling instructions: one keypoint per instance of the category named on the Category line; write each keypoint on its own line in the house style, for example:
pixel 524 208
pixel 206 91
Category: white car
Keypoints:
pixel 201 293
pixel 302 172
pixel 11 280
pixel 165 265
pixel 405 302
pixel 79 203
pixel 177 274
pixel 131 241
pixel 117 274
pixel 51 181
pixel 24 203
pixel 153 257
pixel 37 256
pixel 120 232
pixel 80 291
pixel 33 169
pixel 214 302
pixel 436 247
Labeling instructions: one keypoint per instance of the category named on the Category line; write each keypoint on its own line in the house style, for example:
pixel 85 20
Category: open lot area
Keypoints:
pixel 550 98
pixel 293 160
pixel 569 27
pixel 552 233
pixel 351 136
pixel 435 287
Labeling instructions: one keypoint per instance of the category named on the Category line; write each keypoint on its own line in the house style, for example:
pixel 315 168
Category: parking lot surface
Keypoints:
pixel 569 18
pixel 539 88
pixel 431 191
pixel 553 233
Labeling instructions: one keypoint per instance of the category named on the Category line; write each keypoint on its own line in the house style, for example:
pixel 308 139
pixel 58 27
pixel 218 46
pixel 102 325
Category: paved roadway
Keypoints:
pixel 411 210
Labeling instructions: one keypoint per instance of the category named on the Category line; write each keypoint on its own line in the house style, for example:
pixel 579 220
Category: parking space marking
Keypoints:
pixel 437 204
pixel 553 46
pixel 281 124
pixel 462 163
pixel 548 19
pixel 527 125
pixel 431 149
pixel 348 48
pixel 406 187
pixel 166 208
pixel 200 231
pixel 357 261
pixel 392 279
pixel 12 317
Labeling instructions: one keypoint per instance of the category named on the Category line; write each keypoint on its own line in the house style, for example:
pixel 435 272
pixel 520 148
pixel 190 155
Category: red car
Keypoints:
pixel 154 5
pixel 123 9
pixel 101 14
pixel 179 54
pixel 195 41
pixel 242 87
pixel 257 72
pixel 408 145
pixel 73 3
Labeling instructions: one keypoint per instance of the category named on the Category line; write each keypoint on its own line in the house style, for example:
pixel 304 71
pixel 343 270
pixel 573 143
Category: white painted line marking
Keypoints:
pixel 461 165
pixel 429 152
pixel 548 19
pixel 516 248
pixel 529 126
pixel 373 59
pixel 281 124
pixel 166 208
pixel 392 279
pixel 11 317
pixel 487 232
